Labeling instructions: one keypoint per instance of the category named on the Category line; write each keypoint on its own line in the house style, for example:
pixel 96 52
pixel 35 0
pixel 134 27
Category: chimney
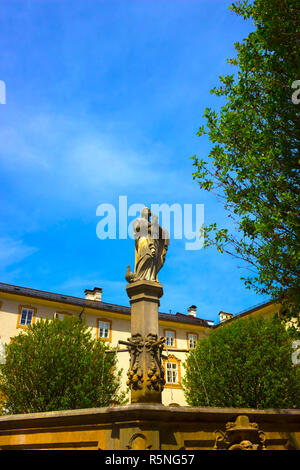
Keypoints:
pixel 192 310
pixel 95 294
pixel 225 316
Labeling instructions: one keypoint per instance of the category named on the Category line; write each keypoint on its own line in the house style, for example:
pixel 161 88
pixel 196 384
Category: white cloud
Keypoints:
pixel 95 161
pixel 67 157
pixel 13 251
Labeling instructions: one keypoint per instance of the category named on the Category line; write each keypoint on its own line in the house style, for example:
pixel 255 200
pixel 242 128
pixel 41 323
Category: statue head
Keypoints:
pixel 146 213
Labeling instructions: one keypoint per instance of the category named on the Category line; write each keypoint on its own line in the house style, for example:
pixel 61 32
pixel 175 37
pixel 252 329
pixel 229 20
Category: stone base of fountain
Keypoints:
pixel 153 427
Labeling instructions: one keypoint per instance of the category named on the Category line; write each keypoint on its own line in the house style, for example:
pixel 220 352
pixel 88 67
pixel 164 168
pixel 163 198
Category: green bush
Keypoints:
pixel 247 364
pixel 57 365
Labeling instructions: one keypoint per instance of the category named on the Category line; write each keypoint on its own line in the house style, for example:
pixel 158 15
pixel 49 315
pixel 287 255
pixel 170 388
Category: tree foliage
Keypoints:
pixel 253 165
pixel 57 365
pixel 246 363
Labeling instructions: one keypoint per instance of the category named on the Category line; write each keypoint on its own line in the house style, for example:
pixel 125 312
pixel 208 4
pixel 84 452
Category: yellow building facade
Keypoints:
pixel 20 306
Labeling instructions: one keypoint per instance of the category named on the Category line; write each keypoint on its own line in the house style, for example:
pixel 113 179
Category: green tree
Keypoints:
pixel 253 164
pixel 57 365
pixel 246 363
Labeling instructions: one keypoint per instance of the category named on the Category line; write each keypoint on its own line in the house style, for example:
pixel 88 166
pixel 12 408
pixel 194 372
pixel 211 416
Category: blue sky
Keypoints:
pixel 103 99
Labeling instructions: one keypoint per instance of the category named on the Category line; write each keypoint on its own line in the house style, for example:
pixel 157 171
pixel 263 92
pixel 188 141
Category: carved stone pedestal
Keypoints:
pixel 145 375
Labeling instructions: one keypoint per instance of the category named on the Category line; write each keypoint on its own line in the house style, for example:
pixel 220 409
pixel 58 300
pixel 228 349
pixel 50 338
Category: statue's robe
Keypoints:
pixel 151 244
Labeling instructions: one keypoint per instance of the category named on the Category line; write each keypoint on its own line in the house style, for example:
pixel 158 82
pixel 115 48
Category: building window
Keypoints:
pixel 172 372
pixel 104 329
pixel 192 339
pixel 61 315
pixel 170 336
pixel 26 316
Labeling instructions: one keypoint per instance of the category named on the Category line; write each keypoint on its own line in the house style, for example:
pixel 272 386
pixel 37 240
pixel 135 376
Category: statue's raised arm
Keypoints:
pixel 151 245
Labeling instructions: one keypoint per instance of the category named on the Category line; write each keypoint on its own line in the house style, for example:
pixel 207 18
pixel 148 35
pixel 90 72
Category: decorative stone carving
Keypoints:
pixel 151 245
pixel 152 346
pixel 138 442
pixel 240 435
pixel 155 373
pixel 135 372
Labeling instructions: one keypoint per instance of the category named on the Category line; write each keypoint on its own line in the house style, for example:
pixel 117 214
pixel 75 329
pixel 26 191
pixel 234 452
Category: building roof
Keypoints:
pixel 82 302
pixel 244 312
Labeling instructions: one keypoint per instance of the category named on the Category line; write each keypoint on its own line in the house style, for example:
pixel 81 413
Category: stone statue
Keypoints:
pixel 151 245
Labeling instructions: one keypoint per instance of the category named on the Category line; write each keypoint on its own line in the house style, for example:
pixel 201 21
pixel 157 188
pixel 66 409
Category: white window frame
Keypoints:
pixel 172 373
pixel 29 311
pixel 170 335
pixel 192 339
pixel 104 328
